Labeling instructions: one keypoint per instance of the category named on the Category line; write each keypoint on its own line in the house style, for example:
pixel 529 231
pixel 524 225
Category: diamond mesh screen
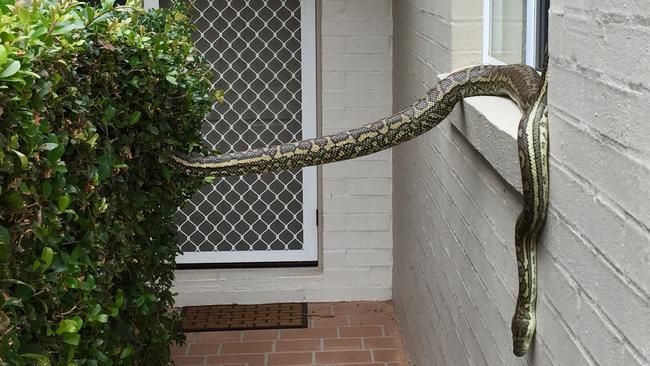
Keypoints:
pixel 255 49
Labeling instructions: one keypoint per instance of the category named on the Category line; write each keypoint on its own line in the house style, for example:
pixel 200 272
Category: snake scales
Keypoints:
pixel 520 83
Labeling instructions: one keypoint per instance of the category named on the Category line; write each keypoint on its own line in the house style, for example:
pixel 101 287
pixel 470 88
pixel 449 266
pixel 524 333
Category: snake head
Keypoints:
pixel 522 335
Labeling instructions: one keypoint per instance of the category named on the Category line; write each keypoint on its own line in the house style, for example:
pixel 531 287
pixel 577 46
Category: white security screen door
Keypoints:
pixel 263 53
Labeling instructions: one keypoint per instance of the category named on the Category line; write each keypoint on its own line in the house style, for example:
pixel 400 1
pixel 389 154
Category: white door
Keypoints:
pixel 263 53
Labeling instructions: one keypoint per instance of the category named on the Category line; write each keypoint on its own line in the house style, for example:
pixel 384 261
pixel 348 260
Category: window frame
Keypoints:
pixel 532 33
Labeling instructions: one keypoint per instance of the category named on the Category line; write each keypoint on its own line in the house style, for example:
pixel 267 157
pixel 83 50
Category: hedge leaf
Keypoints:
pixel 93 99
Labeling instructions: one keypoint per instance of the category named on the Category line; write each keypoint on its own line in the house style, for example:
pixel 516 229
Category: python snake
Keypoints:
pixel 520 83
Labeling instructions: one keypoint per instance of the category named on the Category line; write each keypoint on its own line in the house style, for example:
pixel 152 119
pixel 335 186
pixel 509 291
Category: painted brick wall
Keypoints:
pixel 454 218
pixel 357 223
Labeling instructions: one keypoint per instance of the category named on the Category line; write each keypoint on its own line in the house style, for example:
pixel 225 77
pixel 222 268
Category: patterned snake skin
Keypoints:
pixel 520 83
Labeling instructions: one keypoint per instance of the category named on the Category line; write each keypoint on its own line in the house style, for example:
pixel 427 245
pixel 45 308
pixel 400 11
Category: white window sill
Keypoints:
pixel 490 125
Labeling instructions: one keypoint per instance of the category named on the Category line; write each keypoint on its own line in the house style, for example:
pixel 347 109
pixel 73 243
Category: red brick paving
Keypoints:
pixel 339 334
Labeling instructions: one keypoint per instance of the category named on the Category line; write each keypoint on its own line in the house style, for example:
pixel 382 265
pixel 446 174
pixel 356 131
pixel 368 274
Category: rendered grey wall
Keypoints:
pixel 454 283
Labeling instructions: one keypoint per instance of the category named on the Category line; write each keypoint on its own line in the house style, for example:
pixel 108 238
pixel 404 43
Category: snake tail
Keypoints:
pixel 518 82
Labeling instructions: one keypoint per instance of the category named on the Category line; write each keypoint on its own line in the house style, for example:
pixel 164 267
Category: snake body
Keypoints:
pixel 518 82
pixel 532 139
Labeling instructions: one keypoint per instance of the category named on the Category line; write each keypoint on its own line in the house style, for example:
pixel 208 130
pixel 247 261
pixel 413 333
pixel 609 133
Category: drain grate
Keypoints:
pixel 244 317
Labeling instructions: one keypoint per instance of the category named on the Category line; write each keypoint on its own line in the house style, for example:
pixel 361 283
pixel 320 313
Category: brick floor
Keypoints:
pixel 339 334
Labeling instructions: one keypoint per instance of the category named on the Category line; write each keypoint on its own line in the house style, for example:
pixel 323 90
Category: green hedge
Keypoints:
pixel 91 102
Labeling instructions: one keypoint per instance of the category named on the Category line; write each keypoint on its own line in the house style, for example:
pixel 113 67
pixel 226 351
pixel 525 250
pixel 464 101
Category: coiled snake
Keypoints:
pixel 520 83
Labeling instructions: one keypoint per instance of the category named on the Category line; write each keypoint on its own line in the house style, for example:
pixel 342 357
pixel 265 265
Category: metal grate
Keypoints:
pixel 254 47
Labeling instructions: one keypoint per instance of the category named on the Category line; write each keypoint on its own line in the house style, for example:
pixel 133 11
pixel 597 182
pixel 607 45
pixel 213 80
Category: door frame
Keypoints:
pixel 308 255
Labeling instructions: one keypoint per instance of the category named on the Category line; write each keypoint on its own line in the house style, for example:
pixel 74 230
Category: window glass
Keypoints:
pixel 508 31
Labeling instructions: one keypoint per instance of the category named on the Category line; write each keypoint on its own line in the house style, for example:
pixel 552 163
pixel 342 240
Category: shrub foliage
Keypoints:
pixel 92 100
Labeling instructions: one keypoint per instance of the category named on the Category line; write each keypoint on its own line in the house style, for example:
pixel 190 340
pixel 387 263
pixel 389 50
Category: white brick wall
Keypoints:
pixel 454 218
pixel 357 213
